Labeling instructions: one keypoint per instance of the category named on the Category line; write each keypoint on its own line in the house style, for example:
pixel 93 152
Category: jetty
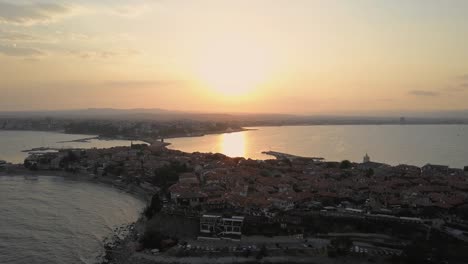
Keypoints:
pixel 42 149
pixel 80 140
pixel 281 155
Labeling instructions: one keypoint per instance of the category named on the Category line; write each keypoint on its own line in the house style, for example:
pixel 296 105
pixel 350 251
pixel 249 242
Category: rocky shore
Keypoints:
pixel 122 244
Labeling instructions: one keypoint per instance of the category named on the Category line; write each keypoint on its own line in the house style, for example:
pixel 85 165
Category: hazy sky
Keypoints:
pixel 295 56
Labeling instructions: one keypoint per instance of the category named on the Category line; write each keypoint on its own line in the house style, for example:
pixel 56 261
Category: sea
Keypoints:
pixel 391 144
pixel 53 220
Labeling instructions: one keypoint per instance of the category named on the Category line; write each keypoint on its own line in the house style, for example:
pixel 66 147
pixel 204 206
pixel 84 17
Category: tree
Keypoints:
pixel 154 207
pixel 417 252
pixel 33 167
pixel 296 187
pixel 341 245
pixel 262 253
pixel 169 174
pixel 369 172
pixel 151 239
pixel 462 211
pixel 345 164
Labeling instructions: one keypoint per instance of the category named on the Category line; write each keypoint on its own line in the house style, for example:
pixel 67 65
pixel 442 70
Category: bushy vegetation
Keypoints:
pixel 262 253
pixel 322 225
pixel 154 207
pixel 174 225
pixel 339 246
pixel 114 169
pixel 152 239
pixel 169 174
pixel 162 231
pixel 345 164
pixel 437 249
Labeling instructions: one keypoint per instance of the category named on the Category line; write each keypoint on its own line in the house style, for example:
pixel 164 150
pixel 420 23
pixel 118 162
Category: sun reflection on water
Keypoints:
pixel 233 144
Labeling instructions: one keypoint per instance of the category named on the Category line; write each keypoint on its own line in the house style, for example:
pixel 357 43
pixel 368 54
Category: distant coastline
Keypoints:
pixel 248 127
pixel 297 143
pixel 120 137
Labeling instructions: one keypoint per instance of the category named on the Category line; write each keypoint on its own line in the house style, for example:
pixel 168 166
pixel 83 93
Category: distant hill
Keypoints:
pixel 156 114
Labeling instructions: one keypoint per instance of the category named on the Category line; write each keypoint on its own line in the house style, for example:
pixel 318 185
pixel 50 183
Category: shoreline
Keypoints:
pixel 131 189
pixel 243 129
pixel 362 124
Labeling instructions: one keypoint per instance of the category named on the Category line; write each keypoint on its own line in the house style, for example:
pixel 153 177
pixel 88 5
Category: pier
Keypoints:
pixel 281 155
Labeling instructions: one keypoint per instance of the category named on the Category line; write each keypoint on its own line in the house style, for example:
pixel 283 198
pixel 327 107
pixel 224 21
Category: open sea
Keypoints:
pixel 51 219
pixel 391 144
pixel 54 220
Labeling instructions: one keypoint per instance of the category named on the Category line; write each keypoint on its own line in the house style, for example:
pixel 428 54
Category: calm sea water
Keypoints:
pixel 13 142
pixel 54 220
pixel 392 144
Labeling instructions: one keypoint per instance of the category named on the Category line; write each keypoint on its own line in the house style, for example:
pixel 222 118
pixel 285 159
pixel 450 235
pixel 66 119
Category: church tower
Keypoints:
pixel 366 159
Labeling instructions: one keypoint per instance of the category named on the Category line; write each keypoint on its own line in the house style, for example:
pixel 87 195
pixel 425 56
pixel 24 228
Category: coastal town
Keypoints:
pixel 242 131
pixel 120 128
pixel 205 204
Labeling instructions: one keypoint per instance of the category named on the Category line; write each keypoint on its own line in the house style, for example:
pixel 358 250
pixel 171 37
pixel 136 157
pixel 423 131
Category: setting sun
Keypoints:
pixel 233 67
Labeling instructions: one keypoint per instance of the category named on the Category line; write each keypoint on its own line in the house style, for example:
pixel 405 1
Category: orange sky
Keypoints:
pixel 235 56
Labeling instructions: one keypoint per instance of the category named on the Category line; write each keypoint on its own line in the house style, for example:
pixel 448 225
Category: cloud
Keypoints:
pixel 93 54
pixel 141 83
pixel 423 93
pixel 30 14
pixel 463 77
pixel 16 36
pixel 90 54
pixel 130 10
pixel 460 85
pixel 454 89
pixel 13 50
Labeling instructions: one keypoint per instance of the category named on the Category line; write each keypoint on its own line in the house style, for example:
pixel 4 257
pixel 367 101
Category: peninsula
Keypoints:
pixel 206 207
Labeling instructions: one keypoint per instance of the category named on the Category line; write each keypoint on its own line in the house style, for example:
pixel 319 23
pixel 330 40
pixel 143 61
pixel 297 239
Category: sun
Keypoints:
pixel 233 68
